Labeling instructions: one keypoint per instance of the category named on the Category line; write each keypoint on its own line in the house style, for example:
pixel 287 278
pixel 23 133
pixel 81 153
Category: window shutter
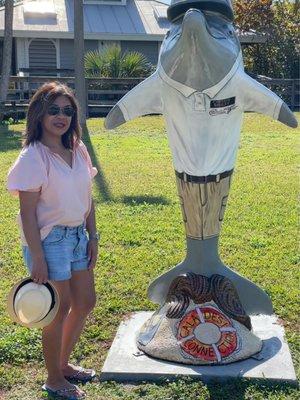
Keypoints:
pixel 42 54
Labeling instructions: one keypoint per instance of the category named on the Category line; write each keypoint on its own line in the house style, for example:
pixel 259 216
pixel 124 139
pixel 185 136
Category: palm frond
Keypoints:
pixel 110 62
pixel 135 65
pixel 94 64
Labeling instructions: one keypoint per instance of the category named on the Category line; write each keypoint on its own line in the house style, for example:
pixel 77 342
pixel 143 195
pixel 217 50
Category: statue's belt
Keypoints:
pixel 203 179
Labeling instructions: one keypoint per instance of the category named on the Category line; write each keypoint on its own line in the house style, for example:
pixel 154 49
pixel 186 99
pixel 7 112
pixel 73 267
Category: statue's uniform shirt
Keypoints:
pixel 203 127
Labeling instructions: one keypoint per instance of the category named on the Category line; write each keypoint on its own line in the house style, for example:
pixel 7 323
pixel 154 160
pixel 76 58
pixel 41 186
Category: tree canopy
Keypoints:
pixel 2 2
pixel 279 20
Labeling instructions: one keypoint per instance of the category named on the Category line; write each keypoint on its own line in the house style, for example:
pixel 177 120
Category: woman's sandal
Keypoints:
pixel 83 375
pixel 63 394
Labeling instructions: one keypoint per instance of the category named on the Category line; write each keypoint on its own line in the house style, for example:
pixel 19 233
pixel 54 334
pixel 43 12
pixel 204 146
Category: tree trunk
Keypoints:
pixel 80 87
pixel 7 54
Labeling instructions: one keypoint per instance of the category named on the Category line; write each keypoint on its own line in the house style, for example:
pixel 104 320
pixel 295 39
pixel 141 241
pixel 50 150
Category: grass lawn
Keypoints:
pixel 139 217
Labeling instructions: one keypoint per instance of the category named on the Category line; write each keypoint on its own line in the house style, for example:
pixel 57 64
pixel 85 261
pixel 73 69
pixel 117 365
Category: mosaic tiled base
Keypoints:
pixel 202 323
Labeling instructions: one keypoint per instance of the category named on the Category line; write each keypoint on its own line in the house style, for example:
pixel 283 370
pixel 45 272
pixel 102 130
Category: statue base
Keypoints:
pixel 204 335
pixel 202 322
pixel 125 362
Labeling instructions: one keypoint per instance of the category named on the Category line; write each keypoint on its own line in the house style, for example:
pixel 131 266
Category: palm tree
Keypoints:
pixel 6 55
pixel 112 63
pixel 80 88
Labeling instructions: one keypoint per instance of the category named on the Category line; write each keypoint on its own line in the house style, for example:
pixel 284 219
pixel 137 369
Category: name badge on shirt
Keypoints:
pixel 223 106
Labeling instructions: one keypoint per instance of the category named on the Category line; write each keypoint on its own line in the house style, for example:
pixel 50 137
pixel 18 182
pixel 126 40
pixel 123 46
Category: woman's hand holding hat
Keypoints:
pixel 92 249
pixel 32 305
pixel 39 273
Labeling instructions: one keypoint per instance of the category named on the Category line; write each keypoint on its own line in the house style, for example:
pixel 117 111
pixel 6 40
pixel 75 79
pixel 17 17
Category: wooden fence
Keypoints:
pixel 104 93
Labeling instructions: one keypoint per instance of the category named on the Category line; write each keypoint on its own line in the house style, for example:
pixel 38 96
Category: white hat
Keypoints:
pixel 32 305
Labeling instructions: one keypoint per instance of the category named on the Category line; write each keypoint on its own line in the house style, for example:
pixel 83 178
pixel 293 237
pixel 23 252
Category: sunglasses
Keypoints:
pixel 68 111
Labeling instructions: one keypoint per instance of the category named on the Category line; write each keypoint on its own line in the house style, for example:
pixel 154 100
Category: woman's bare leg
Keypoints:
pixel 52 339
pixel 83 299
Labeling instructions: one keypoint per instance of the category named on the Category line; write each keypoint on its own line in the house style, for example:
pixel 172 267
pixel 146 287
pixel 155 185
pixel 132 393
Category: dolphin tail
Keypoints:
pixel 143 99
pixel 253 298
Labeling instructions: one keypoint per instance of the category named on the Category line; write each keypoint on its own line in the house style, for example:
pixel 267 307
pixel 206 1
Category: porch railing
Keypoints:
pixel 104 93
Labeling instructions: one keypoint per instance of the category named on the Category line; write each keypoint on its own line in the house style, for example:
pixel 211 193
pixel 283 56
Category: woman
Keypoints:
pixel 52 177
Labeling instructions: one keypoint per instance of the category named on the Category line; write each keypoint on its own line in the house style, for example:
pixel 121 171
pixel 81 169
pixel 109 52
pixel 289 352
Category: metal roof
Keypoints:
pixel 138 20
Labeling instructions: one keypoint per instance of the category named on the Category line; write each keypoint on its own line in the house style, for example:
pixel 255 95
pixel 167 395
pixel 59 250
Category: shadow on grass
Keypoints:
pixel 235 389
pixel 103 186
pixel 238 389
pixel 137 200
pixel 10 140
pixel 101 183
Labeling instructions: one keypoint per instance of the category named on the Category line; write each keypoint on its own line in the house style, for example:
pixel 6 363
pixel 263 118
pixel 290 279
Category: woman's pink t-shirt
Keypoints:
pixel 65 192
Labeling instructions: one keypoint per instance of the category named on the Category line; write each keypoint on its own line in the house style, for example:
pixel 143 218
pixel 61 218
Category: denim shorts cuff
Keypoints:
pixel 80 266
pixel 59 277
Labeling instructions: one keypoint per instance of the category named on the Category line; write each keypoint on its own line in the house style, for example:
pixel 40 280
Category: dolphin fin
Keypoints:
pixel 260 99
pixel 287 117
pixel 143 99
pixel 114 118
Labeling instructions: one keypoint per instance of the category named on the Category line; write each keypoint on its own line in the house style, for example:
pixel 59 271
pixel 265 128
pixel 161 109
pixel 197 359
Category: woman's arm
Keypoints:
pixel 28 203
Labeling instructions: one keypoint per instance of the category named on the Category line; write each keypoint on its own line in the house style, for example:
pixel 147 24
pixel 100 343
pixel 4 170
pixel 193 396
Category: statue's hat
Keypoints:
pixel 179 7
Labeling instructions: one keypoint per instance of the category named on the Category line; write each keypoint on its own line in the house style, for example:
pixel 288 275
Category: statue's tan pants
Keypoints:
pixel 203 206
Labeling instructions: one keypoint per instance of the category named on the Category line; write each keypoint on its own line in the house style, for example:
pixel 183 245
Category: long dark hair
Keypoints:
pixel 38 106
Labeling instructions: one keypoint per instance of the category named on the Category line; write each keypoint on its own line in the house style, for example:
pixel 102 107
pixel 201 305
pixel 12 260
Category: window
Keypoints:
pixel 160 13
pixel 42 57
pixel 39 9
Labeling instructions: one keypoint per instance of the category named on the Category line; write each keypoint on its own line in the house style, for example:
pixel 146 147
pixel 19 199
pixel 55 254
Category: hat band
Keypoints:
pixel 49 287
pixel 174 11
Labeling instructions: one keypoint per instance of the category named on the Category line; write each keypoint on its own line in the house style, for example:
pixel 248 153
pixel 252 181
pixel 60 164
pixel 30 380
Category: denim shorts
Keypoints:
pixel 65 251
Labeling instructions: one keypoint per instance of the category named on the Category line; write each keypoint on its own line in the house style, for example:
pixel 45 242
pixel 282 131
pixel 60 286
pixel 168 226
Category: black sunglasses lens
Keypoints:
pixel 53 110
pixel 68 111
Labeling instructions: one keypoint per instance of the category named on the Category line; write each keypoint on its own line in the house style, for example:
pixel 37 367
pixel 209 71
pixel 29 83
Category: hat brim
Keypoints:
pixel 177 9
pixel 38 324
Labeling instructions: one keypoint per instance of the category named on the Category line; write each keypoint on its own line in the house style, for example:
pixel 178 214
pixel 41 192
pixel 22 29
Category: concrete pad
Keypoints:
pixel 126 363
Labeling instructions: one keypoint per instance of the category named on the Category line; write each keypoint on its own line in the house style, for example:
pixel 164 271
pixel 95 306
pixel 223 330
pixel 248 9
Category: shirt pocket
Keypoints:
pixel 223 208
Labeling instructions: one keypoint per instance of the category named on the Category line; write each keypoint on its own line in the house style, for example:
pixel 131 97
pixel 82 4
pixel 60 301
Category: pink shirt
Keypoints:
pixel 65 192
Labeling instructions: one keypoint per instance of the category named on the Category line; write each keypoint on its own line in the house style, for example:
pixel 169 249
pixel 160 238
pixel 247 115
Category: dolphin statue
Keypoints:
pixel 201 89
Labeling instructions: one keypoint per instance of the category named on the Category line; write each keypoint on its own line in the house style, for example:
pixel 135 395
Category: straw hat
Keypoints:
pixel 180 7
pixel 32 305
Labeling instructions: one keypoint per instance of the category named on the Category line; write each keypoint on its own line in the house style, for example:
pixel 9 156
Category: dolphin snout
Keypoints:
pixel 193 22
